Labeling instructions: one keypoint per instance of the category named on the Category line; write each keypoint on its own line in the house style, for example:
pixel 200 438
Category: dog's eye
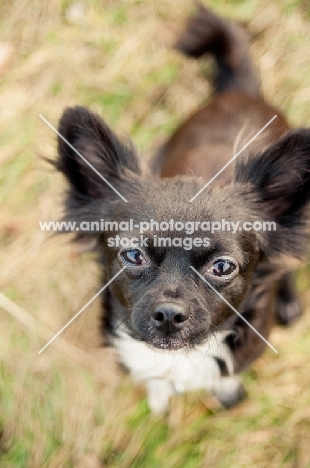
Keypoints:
pixel 133 257
pixel 223 268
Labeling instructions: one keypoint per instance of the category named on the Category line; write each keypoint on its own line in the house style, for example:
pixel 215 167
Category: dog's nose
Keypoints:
pixel 168 317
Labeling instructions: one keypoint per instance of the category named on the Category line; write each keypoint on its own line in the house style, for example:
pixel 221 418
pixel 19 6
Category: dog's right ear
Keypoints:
pixel 90 153
pixel 277 183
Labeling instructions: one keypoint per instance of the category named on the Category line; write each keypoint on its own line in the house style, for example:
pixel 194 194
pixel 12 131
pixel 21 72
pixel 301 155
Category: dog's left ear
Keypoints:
pixel 91 153
pixel 277 184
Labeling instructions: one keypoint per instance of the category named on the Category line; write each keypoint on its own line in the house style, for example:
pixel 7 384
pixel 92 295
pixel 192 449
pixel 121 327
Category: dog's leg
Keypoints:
pixel 159 392
pixel 244 343
pixel 227 386
pixel 229 391
pixel 287 307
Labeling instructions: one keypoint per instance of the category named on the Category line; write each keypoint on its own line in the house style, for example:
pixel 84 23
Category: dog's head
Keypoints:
pixel 164 301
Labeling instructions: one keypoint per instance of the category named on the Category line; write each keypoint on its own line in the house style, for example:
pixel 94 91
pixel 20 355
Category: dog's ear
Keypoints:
pixel 277 181
pixel 94 153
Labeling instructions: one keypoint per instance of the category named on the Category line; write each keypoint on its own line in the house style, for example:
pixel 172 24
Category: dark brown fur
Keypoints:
pixel 270 181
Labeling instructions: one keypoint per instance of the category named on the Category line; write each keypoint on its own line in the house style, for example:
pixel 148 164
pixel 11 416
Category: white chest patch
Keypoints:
pixel 168 372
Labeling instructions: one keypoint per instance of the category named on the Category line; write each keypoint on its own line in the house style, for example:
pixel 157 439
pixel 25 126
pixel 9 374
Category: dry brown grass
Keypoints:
pixel 70 406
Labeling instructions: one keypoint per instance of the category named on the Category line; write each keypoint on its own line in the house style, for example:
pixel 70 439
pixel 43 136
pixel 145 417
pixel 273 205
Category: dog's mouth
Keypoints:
pixel 168 343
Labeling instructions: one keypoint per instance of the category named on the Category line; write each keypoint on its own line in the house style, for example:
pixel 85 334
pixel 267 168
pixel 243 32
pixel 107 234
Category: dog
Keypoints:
pixel 171 312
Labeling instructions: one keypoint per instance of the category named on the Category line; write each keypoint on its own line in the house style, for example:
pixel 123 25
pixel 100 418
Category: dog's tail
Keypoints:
pixel 207 33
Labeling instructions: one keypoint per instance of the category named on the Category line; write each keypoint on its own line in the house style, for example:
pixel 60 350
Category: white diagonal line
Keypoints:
pixel 80 311
pixel 233 158
pixel 235 310
pixel 84 159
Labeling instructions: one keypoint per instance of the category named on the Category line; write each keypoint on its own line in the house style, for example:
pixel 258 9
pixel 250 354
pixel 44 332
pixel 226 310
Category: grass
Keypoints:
pixel 71 406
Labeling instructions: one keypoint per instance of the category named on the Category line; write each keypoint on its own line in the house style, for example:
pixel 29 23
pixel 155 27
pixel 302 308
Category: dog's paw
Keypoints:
pixel 287 306
pixel 229 391
pixel 159 392
pixel 287 311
